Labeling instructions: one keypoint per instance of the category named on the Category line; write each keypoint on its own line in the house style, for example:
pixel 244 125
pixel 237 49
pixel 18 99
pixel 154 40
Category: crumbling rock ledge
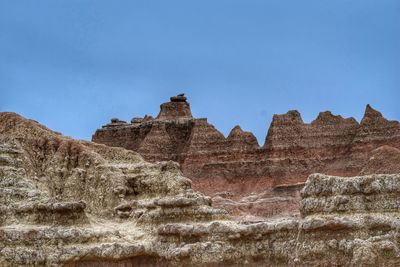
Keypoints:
pixel 85 204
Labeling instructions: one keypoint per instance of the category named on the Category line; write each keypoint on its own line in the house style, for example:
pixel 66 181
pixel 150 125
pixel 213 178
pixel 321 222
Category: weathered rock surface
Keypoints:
pixel 64 201
pixel 158 220
pixel 74 203
pixel 231 169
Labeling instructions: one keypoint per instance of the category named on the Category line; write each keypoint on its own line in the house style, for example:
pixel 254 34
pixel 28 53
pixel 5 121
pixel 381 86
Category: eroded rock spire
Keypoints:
pixel 177 108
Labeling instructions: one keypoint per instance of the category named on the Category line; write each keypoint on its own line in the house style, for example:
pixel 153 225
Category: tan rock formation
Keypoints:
pixel 74 203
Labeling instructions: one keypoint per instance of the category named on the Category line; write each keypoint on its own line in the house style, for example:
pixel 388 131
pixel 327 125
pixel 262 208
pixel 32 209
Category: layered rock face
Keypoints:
pixel 241 175
pixel 74 203
pixel 202 151
pixel 79 203
pixel 330 144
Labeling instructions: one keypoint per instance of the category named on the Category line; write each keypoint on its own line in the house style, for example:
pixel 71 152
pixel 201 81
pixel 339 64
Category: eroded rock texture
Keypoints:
pixel 73 203
pixel 245 178
pixel 81 204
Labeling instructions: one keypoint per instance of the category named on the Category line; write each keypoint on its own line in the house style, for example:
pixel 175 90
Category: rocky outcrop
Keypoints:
pixel 202 151
pixel 177 108
pixel 340 226
pixel 236 166
pixel 66 202
pixel 297 149
pixel 74 203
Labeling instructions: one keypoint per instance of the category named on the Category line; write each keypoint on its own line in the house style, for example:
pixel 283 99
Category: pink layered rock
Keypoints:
pixel 296 149
pixel 237 166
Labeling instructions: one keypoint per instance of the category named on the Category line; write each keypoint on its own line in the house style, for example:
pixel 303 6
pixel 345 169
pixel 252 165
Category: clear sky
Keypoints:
pixel 72 65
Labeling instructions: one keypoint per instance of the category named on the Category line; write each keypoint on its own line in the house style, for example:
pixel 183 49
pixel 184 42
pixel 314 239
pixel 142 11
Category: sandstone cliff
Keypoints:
pixel 232 168
pixel 73 203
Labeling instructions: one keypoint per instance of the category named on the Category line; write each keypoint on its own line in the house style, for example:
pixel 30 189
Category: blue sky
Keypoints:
pixel 73 65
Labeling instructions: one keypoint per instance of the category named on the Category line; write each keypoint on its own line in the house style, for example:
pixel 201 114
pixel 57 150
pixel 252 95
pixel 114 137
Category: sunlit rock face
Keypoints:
pixel 262 181
pixel 65 202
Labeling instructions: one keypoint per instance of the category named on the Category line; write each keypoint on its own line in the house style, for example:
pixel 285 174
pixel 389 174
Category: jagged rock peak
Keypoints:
pixel 236 131
pixel 238 135
pixel 327 117
pixel 177 108
pixel 290 117
pixel 371 115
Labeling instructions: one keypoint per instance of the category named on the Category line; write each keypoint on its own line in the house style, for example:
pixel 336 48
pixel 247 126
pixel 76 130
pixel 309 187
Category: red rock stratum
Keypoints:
pixel 236 166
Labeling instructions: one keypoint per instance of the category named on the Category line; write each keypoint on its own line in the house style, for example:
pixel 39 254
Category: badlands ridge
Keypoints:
pixel 243 177
pixel 66 202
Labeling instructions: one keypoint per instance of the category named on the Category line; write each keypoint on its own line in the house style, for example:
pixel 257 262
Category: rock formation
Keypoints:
pixel 64 201
pixel 74 203
pixel 232 168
